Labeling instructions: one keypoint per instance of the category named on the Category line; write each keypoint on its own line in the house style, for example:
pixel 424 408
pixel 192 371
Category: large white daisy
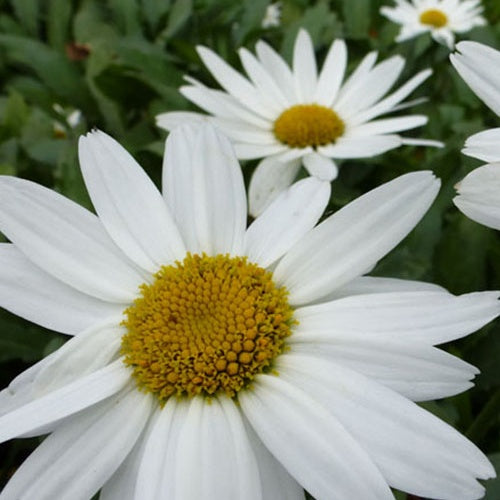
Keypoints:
pixel 294 116
pixel 479 192
pixel 214 361
pixel 441 18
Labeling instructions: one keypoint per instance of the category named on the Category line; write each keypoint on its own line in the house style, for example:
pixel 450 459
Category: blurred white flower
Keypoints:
pixel 219 362
pixel 293 116
pixel 272 16
pixel 442 18
pixel 479 192
pixel 69 119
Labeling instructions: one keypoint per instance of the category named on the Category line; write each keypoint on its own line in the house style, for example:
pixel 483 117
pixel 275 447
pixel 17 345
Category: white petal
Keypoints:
pixel 213 447
pixel 388 126
pixel 372 284
pixel 289 217
pixel 388 103
pixel 276 483
pixel 263 81
pixel 304 67
pixel 128 204
pixel 415 451
pixel 66 241
pixel 203 187
pixel 277 68
pixel 356 237
pixel 31 293
pixel 174 119
pixel 320 166
pixel 69 399
pixel 416 370
pixel 361 147
pixel 408 141
pixel 331 74
pixel 269 180
pixel 484 145
pixel 432 317
pixel 314 448
pixel 478 195
pixel 374 86
pixel 77 459
pixel 83 354
pixel 121 485
pixel 252 151
pixel 234 83
pixel 478 65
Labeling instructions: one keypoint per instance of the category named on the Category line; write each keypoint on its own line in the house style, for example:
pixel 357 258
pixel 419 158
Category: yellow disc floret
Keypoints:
pixel 308 125
pixel 434 17
pixel 205 325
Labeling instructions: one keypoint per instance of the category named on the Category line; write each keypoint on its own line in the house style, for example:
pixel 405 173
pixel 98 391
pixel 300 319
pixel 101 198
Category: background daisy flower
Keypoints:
pixel 256 360
pixel 296 116
pixel 479 192
pixel 441 18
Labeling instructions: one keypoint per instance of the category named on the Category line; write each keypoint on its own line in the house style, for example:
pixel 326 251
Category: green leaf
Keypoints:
pixel 50 66
pixel 357 18
pixel 15 115
pixel 58 22
pixel 127 16
pixel 27 13
pixel 493 485
pixel 179 14
pixel 154 11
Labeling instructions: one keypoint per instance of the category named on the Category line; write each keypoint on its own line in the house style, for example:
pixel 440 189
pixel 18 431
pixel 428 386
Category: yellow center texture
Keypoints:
pixel 205 325
pixel 308 125
pixel 434 17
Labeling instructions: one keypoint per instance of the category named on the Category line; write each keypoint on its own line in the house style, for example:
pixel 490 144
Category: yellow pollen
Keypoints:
pixel 308 125
pixel 205 325
pixel 434 17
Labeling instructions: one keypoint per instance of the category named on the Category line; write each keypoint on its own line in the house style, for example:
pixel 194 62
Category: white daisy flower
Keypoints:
pixel 210 360
pixel 288 116
pixel 479 192
pixel 272 16
pixel 441 18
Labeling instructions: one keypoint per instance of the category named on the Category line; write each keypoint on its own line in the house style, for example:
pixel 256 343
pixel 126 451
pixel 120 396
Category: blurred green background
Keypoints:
pixel 118 63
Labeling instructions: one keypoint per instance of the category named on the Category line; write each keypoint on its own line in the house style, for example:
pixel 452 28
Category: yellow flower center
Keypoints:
pixel 434 17
pixel 308 125
pixel 205 325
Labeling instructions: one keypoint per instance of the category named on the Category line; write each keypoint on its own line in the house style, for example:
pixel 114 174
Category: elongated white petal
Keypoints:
pixel 311 444
pixel 238 86
pixel 121 485
pixel 484 146
pixel 389 125
pixel 83 354
pixel 415 451
pixel 304 67
pixel 275 481
pixel 213 447
pixel 320 166
pixel 156 476
pixel 66 241
pixel 286 221
pixel 203 187
pixel 332 73
pixel 128 203
pixel 373 87
pixel 478 195
pixel 77 459
pixel 432 317
pixel 67 400
pixel 269 180
pixel 277 68
pixel 356 237
pixel 31 293
pixel 174 119
pixel 263 81
pixel 374 284
pixel 478 65
pixel 414 369
pixel 361 147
